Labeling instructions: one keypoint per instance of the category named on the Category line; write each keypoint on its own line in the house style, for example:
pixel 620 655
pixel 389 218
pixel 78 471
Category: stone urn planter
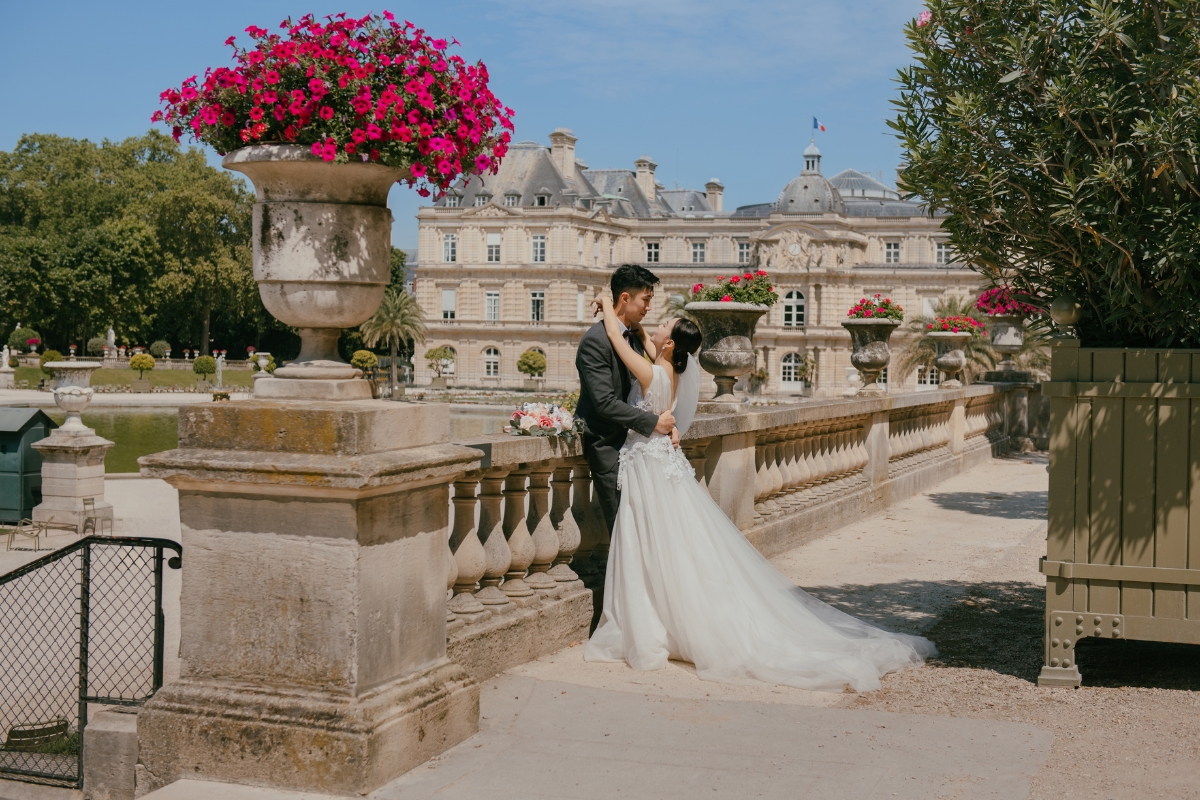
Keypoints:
pixel 73 392
pixel 727 350
pixel 950 359
pixel 1007 332
pixel 322 259
pixel 871 353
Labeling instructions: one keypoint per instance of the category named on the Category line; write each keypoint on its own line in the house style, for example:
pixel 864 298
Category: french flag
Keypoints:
pixel 817 126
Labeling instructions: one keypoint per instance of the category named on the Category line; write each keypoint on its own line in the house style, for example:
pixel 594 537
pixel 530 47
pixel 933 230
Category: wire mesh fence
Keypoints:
pixel 82 625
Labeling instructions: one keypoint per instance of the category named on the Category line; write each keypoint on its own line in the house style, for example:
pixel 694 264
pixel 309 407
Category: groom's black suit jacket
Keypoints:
pixel 604 383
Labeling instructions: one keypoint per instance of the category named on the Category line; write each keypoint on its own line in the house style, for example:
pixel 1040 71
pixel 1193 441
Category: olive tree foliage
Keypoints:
pixel 1063 140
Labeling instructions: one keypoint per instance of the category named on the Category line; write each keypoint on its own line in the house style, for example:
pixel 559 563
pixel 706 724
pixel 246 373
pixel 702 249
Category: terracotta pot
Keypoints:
pixel 950 359
pixel 871 355
pixel 727 349
pixel 322 257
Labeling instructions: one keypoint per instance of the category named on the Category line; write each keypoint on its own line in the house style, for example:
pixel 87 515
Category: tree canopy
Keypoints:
pixel 1063 139
pixel 139 234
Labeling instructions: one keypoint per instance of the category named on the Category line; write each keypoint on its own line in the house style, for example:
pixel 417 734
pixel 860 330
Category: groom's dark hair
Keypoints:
pixel 631 278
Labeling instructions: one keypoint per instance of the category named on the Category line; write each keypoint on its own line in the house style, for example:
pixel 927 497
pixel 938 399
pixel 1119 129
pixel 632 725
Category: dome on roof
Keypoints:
pixel 810 193
pixel 812 150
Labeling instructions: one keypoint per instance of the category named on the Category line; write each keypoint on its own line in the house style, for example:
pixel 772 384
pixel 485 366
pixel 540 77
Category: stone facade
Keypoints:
pixel 510 263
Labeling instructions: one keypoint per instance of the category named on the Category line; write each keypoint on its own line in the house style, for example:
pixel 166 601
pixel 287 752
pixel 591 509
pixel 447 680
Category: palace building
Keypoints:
pixel 511 263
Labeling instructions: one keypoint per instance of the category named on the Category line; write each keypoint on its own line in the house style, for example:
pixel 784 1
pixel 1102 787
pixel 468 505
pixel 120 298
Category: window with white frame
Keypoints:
pixel 610 254
pixel 538 256
pixel 943 253
pixel 791 368
pixel 492 306
pixel 595 253
pixel 511 200
pixel 928 376
pixel 793 309
pixel 448 363
pixel 491 363
pixel 579 304
pixel 482 199
pixel 652 250
pixel 450 248
pixel 891 252
pixel 580 248
pixel 697 252
pixel 537 306
pixel 493 248
pixel 883 377
pixel 541 200
pixel 449 301
pixel 743 252
pixel 451 201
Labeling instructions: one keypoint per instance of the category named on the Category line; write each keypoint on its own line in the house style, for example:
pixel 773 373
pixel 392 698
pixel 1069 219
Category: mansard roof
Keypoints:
pixel 852 183
pixel 686 201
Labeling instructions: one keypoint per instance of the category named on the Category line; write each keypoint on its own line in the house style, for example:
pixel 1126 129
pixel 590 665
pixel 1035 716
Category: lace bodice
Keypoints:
pixel 656 400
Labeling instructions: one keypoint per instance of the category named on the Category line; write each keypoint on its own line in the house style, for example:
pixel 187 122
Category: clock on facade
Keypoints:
pixel 794 249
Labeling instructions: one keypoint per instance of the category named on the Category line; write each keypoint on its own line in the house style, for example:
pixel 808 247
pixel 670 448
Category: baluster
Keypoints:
pixel 807 443
pixel 761 481
pixel 545 539
pixel 786 450
pixel 778 470
pixel 695 452
pixel 840 462
pixel 520 543
pixel 771 475
pixel 566 529
pixel 469 554
pixel 861 456
pixel 824 466
pixel 495 546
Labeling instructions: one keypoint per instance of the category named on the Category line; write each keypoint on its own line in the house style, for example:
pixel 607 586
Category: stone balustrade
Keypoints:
pixel 528 546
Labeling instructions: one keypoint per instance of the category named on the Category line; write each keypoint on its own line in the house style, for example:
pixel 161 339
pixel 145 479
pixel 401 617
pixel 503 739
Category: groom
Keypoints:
pixel 604 384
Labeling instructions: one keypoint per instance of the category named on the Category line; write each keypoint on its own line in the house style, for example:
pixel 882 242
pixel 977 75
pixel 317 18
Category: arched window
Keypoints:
pixel 793 309
pixel 928 376
pixel 491 363
pixel 448 366
pixel 791 368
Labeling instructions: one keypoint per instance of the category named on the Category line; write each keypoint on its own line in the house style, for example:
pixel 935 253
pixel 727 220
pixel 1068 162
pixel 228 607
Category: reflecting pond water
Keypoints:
pixel 140 431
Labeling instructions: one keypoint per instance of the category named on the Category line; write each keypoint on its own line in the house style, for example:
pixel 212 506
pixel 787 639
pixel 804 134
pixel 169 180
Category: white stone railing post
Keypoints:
pixel 520 543
pixel 495 547
pixel 545 538
pixel 565 526
pixel 469 556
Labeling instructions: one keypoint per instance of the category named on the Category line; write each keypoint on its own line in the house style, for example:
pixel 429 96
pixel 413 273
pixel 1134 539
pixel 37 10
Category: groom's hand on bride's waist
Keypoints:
pixel 666 423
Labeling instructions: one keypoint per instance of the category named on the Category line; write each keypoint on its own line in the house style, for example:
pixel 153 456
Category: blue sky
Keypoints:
pixel 706 88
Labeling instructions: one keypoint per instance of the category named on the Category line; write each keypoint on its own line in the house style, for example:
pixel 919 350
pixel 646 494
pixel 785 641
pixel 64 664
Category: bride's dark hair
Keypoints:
pixel 686 337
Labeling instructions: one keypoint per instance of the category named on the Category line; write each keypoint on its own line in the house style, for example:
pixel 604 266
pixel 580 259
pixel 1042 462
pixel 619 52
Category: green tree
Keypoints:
pixel 438 358
pixel 532 363
pixel 143 363
pixel 204 366
pixel 398 268
pixel 1063 139
pixel 397 321
pixel 49 356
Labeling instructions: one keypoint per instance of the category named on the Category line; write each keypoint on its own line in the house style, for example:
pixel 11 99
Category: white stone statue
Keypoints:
pixel 112 337
pixel 7 373
pixel 220 370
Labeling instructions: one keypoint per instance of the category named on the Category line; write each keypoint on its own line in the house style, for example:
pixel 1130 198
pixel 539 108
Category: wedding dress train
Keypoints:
pixel 684 583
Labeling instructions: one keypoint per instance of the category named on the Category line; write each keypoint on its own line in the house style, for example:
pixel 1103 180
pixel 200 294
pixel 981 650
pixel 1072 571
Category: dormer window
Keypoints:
pixel 451 201
pixel 482 199
pixel 541 200
pixel 511 200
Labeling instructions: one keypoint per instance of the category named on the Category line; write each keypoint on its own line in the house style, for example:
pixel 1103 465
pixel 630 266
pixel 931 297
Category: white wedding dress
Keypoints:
pixel 683 583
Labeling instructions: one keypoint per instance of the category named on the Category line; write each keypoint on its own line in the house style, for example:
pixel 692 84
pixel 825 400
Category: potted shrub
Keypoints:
pixel 727 314
pixel 143 363
pixel 160 349
pixel 871 324
pixel 96 346
pixel 367 362
pixel 758 379
pixel 949 335
pixel 49 357
pixel 324 118
pixel 438 359
pixel 204 366
pixel 533 364
pixel 1006 322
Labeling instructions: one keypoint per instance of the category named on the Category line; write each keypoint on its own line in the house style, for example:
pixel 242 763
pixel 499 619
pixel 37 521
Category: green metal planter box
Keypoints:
pixel 1123 548
pixel 20 464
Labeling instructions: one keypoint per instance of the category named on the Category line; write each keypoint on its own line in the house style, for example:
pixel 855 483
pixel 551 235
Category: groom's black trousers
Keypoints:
pixel 602 459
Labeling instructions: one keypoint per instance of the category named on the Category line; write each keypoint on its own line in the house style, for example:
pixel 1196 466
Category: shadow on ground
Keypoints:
pixel 1007 505
pixel 998 627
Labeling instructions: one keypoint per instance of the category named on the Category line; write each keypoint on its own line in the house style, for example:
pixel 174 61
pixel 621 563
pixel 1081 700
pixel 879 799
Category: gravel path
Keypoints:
pixel 1131 731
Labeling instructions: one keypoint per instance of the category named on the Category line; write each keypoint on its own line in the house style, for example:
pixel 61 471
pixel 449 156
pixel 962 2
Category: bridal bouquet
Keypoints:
pixel 541 419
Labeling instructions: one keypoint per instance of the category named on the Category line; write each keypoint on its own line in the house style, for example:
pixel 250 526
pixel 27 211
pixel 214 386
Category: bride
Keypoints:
pixel 683 583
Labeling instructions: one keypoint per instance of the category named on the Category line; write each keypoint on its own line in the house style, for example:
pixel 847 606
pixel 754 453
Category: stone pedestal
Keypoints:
pixel 72 469
pixel 1021 383
pixel 313 609
pixel 7 380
